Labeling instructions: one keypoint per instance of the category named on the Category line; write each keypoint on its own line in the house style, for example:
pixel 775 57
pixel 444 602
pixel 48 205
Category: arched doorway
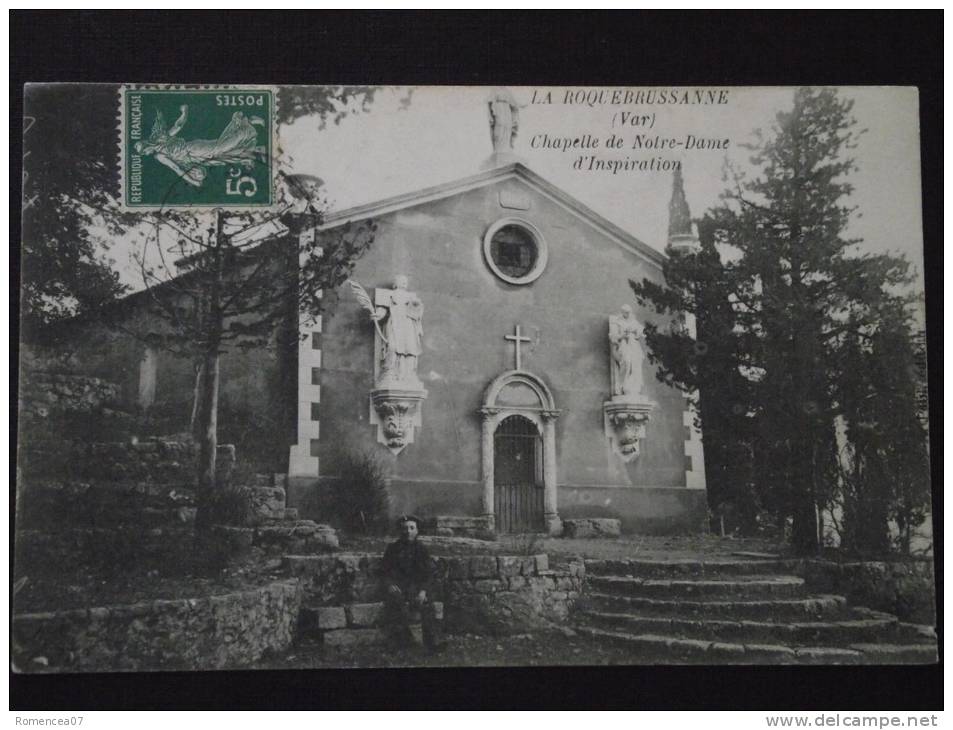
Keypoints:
pixel 518 476
pixel 519 454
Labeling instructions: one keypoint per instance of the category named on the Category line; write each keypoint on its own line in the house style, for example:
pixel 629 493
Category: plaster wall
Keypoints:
pixel 468 310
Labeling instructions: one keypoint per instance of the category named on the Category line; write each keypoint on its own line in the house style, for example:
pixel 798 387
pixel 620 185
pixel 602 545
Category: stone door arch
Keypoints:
pixel 517 392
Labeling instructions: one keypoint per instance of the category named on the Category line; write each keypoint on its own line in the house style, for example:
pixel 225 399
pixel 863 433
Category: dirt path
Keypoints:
pixel 467 650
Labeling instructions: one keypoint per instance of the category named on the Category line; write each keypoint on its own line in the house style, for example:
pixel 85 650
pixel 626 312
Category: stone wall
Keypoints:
pixel 200 633
pixel 153 460
pixel 906 589
pixel 482 594
pixel 507 594
pixel 42 393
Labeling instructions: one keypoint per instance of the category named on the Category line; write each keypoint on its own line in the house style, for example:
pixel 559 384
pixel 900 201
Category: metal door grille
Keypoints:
pixel 517 477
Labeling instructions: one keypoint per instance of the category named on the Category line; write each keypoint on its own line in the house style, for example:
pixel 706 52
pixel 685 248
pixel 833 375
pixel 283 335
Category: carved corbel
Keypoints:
pixel 625 426
pixel 397 415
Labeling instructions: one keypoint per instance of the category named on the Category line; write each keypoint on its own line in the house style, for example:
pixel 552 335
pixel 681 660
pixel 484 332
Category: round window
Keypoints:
pixel 514 251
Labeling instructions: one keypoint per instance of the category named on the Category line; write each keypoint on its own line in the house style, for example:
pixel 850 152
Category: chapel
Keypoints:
pixel 488 349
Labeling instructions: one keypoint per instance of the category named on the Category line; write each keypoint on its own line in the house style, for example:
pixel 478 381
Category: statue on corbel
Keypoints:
pixel 397 315
pixel 628 410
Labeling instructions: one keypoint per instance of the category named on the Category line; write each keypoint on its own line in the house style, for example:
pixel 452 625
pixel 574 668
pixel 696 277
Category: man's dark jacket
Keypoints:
pixel 407 565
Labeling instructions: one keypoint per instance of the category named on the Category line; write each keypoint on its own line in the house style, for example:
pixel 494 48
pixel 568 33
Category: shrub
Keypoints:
pixel 226 505
pixel 357 501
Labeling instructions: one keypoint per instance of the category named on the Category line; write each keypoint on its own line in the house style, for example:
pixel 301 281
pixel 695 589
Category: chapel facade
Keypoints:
pixel 489 351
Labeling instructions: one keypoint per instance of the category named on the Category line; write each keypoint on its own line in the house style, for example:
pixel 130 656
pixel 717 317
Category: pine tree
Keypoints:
pixel 885 465
pixel 775 315
pixel 711 366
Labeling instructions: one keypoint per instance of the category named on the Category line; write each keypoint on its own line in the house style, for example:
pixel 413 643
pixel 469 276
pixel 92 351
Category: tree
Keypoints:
pixel 884 465
pixel 213 289
pixel 71 215
pixel 235 290
pixel 778 311
pixel 69 212
pixel 234 281
pixel 712 367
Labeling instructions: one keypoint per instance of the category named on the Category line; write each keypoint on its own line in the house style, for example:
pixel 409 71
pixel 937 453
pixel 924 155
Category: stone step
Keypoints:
pixel 838 633
pixel 769 609
pixel 727 566
pixel 352 624
pixel 744 586
pixel 317 566
pixel 917 632
pixel 350 616
pixel 302 537
pixel 673 649
pixel 362 637
pixel 925 653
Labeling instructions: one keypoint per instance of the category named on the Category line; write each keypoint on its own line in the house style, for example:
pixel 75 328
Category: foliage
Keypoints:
pixel 884 465
pixel 358 502
pixel 69 212
pixel 239 281
pixel 324 103
pixel 777 294
pixel 229 504
pixel 71 215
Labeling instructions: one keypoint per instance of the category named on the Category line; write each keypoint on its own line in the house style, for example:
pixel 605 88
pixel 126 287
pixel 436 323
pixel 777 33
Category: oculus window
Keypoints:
pixel 515 251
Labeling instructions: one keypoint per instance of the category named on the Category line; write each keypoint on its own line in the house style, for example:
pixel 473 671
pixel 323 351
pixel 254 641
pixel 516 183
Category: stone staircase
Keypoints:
pixel 350 624
pixel 340 599
pixel 271 525
pixel 738 611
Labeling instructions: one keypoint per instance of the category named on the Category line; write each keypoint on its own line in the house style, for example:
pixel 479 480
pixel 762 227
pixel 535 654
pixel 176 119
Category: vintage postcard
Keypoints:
pixel 347 376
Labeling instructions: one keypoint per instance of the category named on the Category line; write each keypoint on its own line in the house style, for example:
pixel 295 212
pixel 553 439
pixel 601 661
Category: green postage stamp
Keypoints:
pixel 197 147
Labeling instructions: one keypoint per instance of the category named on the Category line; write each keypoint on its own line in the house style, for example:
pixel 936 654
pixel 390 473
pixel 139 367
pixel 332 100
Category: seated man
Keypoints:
pixel 406 571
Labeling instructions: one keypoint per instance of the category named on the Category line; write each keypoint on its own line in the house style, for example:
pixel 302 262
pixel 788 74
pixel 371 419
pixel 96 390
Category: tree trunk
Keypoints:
pixel 803 501
pixel 207 429
pixel 208 412
pixel 804 528
pixel 196 403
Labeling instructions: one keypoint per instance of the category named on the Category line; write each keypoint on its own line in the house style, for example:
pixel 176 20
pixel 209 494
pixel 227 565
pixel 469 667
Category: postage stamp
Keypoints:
pixel 197 147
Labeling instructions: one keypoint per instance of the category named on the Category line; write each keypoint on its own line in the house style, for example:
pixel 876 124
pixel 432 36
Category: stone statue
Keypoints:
pixel 625 338
pixel 401 313
pixel 397 393
pixel 504 120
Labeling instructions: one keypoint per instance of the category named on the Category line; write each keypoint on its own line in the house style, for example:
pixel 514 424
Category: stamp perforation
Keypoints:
pixel 194 161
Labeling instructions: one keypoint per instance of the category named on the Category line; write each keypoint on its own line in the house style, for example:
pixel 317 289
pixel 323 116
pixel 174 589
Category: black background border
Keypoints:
pixel 516 48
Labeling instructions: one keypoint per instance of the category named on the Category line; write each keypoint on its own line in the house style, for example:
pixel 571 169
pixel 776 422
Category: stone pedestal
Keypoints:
pixel 625 421
pixel 396 412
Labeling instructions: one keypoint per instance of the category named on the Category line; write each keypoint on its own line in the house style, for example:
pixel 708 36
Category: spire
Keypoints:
pixel 681 237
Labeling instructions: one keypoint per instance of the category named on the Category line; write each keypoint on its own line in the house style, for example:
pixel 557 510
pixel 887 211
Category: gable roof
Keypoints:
pixel 515 170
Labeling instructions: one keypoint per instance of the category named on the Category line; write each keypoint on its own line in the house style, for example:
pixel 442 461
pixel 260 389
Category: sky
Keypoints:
pixel 443 134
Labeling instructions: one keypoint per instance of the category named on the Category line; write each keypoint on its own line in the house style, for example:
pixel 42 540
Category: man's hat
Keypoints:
pixel 408 518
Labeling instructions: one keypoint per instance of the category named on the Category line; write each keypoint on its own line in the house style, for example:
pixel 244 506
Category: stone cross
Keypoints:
pixel 516 339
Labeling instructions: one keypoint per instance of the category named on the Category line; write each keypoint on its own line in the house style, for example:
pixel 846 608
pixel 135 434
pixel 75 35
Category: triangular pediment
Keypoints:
pixel 514 171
